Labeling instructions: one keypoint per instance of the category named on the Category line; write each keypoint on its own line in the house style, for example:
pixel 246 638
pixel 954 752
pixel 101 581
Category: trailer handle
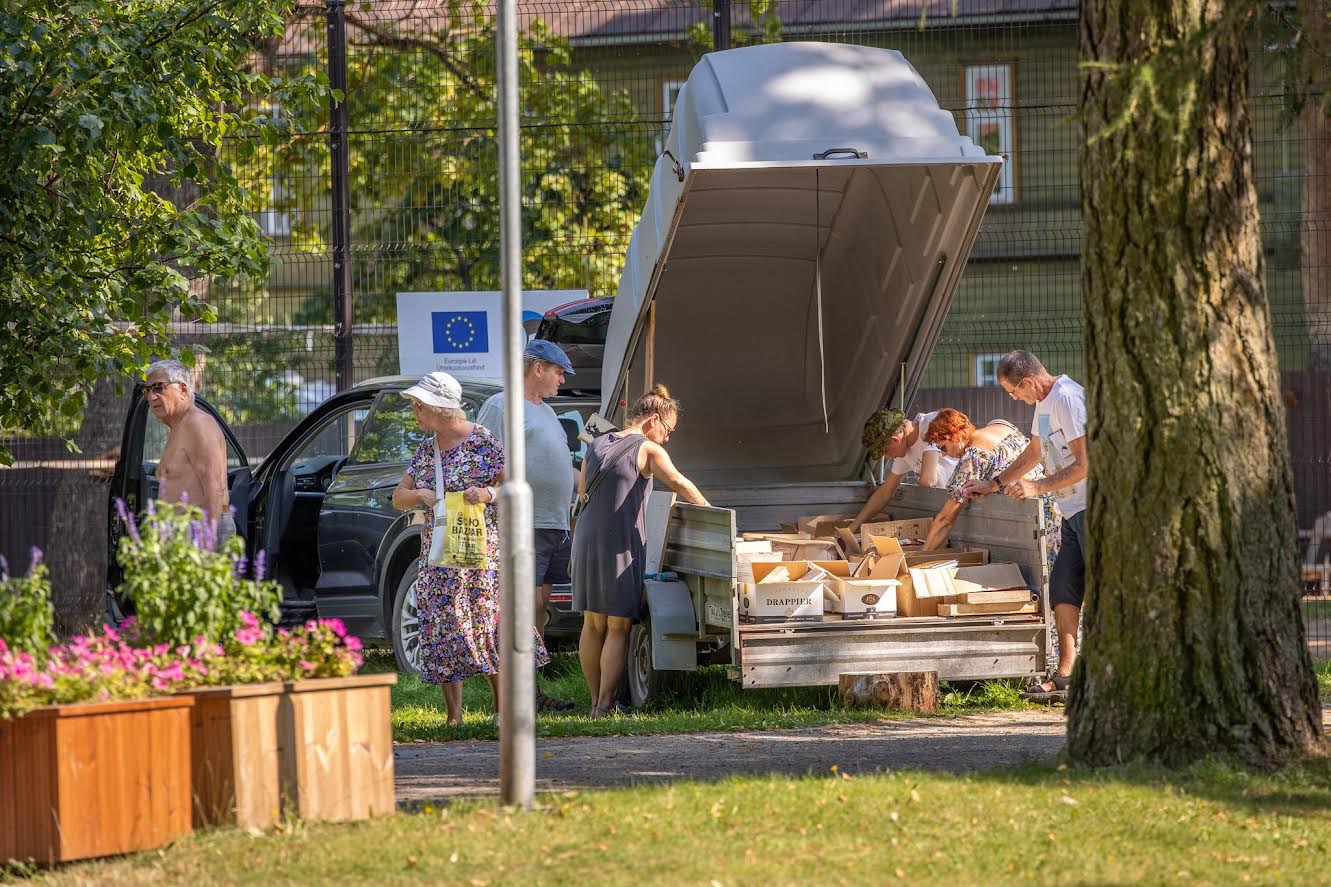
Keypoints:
pixel 856 154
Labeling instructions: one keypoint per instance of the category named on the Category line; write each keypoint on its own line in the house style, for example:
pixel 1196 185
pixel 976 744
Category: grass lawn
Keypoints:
pixel 1045 825
pixel 706 701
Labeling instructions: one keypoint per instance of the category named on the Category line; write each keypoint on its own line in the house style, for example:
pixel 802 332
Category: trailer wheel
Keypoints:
pixel 645 682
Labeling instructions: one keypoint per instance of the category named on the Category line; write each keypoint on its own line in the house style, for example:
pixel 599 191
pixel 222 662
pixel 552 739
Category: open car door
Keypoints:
pixel 135 481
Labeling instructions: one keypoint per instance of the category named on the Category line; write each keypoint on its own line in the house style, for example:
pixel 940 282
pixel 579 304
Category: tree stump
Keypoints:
pixel 895 691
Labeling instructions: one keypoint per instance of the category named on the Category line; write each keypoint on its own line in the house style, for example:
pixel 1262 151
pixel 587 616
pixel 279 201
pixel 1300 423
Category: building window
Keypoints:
pixel 669 95
pixel 984 369
pixel 276 221
pixel 991 121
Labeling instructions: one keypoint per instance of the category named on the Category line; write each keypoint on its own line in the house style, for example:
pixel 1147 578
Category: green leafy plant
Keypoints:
pixel 27 619
pixel 182 585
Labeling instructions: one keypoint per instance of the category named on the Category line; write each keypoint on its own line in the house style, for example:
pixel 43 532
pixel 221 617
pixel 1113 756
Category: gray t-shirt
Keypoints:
pixel 549 463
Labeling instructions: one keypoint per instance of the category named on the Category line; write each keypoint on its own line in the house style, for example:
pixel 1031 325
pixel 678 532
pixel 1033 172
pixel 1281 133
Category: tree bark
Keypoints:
pixel 1315 215
pixel 893 691
pixel 1193 642
pixel 76 547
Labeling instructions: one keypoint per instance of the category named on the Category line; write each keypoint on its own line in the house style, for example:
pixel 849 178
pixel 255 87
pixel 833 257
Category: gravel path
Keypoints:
pixel 436 771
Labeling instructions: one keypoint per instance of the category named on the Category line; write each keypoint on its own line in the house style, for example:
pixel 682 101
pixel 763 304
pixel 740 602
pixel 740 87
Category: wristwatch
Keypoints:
pixel 998 484
pixel 494 494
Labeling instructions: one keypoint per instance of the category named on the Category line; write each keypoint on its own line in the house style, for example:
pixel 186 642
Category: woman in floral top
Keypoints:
pixel 459 609
pixel 981 454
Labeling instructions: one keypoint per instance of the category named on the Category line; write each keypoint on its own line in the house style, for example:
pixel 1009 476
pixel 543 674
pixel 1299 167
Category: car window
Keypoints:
pixel 572 421
pixel 154 441
pixel 392 435
pixel 335 436
pixel 587 327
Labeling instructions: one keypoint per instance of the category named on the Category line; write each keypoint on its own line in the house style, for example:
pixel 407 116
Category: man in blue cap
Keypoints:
pixel 549 471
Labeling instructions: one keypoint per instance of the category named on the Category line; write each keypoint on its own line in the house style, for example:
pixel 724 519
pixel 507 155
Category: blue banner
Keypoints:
pixel 460 332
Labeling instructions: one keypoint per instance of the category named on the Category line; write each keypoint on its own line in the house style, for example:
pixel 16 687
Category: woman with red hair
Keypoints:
pixel 981 454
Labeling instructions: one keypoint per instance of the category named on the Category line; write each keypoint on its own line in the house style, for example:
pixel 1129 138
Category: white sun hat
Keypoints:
pixel 437 389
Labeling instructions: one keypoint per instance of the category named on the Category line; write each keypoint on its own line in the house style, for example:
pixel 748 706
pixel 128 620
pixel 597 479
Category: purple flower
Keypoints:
pixel 35 555
pixel 4 568
pixel 260 563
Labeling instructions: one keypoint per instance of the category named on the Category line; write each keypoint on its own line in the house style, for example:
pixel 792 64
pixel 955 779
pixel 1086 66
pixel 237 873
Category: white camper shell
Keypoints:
pixel 807 224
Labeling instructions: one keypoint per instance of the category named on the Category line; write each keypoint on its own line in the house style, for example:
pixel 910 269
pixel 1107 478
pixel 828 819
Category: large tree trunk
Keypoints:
pixel 1315 219
pixel 1193 641
pixel 76 547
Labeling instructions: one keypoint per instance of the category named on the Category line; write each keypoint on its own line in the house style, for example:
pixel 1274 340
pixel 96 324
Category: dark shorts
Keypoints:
pixel 1067 582
pixel 552 551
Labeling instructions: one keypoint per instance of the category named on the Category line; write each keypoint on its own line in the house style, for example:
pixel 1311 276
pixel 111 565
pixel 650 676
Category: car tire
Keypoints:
pixel 646 685
pixel 406 625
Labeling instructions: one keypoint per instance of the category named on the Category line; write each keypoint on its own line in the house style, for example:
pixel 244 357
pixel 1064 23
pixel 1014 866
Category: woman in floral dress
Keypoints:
pixel 981 454
pixel 459 609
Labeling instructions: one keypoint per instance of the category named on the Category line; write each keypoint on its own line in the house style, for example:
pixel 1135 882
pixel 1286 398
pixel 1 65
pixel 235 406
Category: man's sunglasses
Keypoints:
pixel 157 388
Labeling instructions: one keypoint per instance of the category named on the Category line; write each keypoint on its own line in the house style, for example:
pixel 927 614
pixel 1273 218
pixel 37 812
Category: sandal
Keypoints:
pixel 1059 693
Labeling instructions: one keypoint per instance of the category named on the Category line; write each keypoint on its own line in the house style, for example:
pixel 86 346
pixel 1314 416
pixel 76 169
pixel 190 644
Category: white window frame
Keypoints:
pixel 669 95
pixel 984 368
pixel 991 119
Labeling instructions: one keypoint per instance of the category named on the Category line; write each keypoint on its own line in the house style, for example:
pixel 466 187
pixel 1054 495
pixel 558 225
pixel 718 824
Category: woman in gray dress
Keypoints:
pixel 609 542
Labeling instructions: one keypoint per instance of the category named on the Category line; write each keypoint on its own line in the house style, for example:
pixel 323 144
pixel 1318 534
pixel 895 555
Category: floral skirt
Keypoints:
pixel 459 614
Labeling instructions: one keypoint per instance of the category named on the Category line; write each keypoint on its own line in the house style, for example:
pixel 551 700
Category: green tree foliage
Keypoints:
pixel 424 175
pixel 114 198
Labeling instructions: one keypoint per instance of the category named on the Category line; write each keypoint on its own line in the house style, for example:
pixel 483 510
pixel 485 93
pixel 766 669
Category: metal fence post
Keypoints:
pixel 341 197
pixel 720 24
pixel 517 601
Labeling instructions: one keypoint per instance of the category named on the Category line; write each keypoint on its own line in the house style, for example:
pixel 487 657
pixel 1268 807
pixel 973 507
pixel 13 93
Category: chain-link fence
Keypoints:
pixel 598 82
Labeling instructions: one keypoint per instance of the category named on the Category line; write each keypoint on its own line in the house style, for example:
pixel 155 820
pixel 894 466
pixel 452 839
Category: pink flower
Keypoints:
pixel 249 636
pixel 352 642
pixel 311 625
pixel 337 625
pixel 307 665
pixel 249 619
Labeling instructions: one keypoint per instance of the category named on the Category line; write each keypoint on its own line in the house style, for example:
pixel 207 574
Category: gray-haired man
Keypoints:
pixel 1058 439
pixel 549 471
pixel 192 466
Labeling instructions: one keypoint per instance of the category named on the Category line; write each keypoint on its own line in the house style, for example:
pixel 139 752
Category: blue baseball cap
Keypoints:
pixel 541 349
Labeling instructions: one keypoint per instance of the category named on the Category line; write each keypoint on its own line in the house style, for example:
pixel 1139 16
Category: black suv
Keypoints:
pixel 320 507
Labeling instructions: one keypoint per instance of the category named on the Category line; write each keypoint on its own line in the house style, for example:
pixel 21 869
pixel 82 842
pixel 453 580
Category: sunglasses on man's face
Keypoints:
pixel 157 388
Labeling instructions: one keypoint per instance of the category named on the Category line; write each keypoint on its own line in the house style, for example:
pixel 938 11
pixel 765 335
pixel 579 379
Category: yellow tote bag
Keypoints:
pixel 459 538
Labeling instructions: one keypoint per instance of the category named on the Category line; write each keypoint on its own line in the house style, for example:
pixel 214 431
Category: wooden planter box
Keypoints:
pixel 235 756
pixel 79 781
pixel 320 749
pixel 336 736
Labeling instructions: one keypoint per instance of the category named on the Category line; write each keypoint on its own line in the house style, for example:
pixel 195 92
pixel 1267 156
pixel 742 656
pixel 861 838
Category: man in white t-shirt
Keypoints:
pixel 549 472
pixel 1058 439
pixel 890 433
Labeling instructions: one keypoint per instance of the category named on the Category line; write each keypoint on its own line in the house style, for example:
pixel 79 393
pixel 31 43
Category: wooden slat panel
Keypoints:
pixel 337 750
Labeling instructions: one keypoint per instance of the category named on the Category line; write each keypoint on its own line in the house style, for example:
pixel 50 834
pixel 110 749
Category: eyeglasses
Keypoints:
pixel 670 429
pixel 157 388
pixel 1012 392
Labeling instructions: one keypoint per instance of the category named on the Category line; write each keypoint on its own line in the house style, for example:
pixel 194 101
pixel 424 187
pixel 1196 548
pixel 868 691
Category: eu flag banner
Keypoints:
pixel 460 332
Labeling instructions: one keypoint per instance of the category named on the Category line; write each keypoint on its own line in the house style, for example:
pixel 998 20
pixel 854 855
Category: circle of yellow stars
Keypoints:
pixel 470 333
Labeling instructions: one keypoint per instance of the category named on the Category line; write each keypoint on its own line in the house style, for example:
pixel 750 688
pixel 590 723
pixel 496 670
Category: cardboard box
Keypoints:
pixel 796 547
pixel 910 533
pixel 1008 609
pixel 749 553
pixel 991 577
pixel 852 593
pixel 796 599
pixel 908 602
pixel 824 526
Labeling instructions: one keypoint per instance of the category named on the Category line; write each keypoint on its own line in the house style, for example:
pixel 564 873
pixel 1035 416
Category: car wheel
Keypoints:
pixel 407 623
pixel 646 684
